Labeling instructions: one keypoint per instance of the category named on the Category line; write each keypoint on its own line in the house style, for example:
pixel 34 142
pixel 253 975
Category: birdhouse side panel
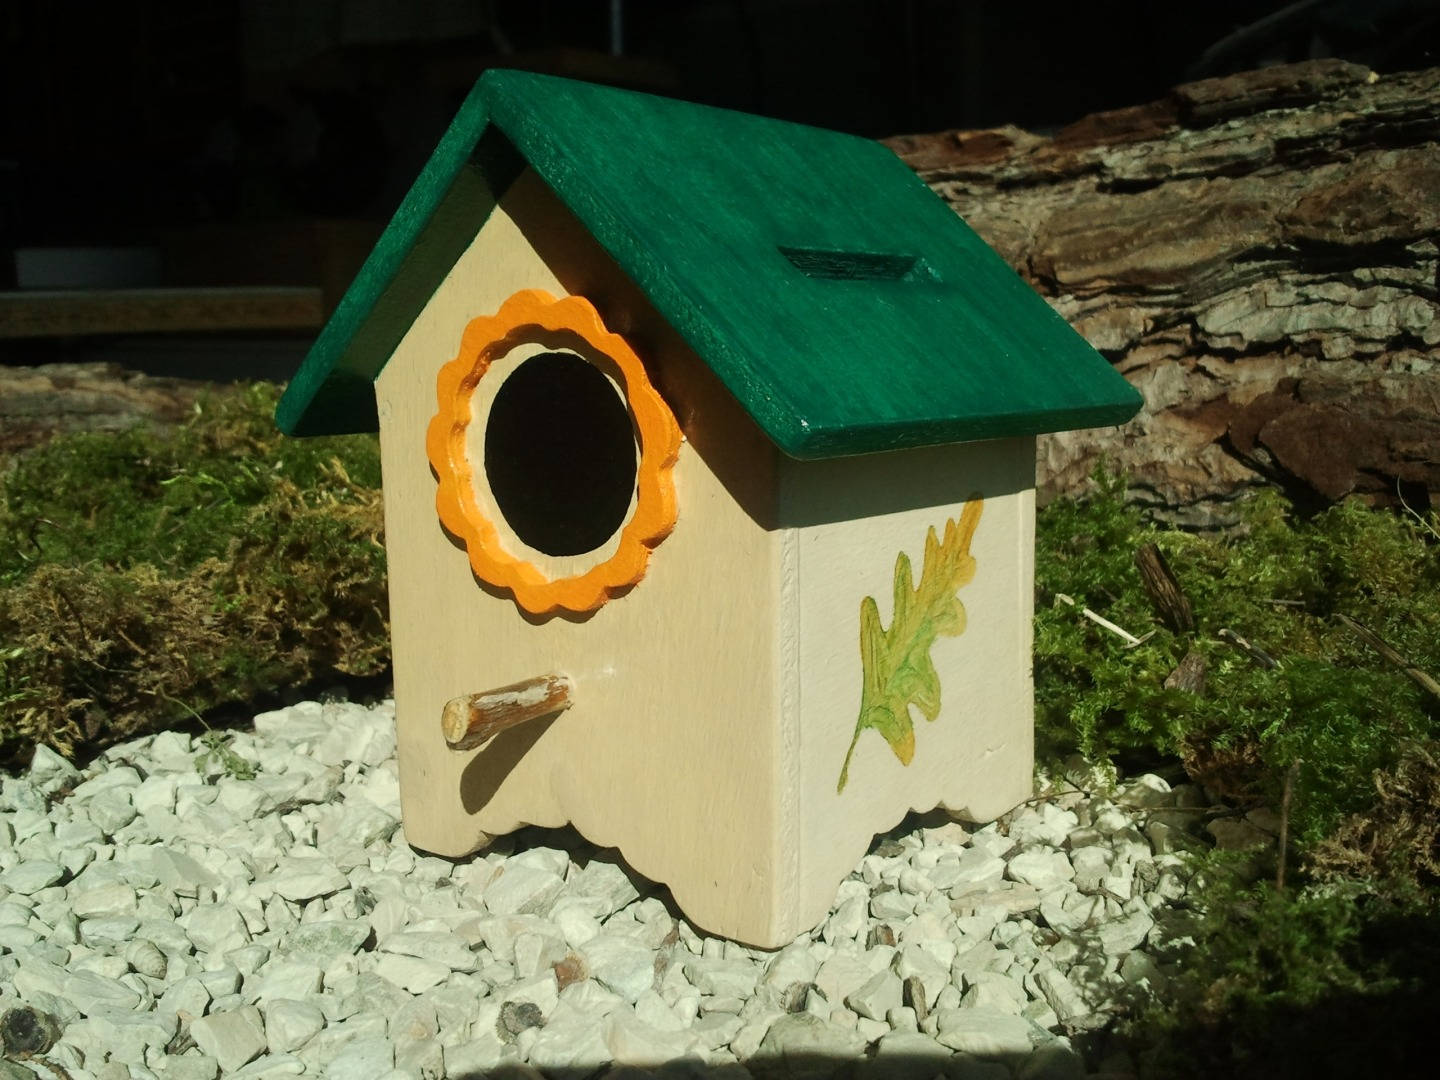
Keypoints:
pixel 669 746
pixel 912 604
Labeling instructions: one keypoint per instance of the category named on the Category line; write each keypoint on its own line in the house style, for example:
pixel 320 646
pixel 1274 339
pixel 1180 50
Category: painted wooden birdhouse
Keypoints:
pixel 708 451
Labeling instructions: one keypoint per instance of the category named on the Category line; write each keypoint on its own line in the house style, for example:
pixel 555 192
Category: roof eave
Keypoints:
pixel 807 443
pixel 332 392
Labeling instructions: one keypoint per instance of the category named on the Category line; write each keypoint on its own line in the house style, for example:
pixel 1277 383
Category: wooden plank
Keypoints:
pixel 28 314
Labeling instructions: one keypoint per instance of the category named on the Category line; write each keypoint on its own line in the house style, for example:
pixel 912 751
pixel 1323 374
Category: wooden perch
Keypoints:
pixel 1164 591
pixel 1376 642
pixel 471 719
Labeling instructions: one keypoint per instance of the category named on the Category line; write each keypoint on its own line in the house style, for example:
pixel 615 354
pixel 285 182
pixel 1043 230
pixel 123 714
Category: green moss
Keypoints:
pixel 148 576
pixel 1331 976
pixel 168 500
pixel 1333 703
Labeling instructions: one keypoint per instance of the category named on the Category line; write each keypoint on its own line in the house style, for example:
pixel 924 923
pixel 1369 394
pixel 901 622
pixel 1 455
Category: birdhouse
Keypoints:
pixel 708 446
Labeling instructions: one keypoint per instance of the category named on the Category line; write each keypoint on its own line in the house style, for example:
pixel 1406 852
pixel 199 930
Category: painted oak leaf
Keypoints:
pixel 897 669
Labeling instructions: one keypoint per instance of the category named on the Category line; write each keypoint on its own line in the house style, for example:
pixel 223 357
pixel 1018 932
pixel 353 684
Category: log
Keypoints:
pixel 471 719
pixel 1257 254
pixel 37 403
pixel 1164 591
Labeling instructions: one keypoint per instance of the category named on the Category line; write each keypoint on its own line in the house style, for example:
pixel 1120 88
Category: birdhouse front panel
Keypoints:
pixel 669 748
pixel 912 622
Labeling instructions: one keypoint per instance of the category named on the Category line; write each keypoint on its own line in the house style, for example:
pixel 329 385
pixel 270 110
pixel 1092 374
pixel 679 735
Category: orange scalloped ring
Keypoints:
pixel 572 322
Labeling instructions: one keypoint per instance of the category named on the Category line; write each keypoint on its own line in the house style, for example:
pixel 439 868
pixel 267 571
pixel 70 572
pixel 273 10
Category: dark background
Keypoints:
pixel 218 133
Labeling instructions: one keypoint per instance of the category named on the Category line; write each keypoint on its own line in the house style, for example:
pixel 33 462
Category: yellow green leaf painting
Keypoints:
pixel 897 669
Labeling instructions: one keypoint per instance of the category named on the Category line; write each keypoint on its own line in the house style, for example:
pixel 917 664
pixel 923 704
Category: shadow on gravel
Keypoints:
pixel 1386 1029
pixel 799 1067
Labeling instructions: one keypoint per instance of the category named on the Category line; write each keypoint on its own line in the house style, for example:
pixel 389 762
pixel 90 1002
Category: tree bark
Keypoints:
pixel 38 402
pixel 1257 254
pixel 1164 591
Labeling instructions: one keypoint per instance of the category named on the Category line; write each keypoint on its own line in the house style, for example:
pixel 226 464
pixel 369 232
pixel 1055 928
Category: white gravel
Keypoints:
pixel 175 911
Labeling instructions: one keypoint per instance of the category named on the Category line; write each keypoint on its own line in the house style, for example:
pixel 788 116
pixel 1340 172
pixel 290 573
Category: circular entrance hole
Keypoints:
pixel 560 454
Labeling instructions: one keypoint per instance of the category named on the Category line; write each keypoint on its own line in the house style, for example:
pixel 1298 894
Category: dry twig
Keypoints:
pixel 1099 620
pixel 1290 775
pixel 1375 641
pixel 1414 513
pixel 1259 655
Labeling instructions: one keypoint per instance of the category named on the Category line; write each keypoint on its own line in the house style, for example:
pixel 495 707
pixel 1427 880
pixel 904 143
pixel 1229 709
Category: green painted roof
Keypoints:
pixel 845 306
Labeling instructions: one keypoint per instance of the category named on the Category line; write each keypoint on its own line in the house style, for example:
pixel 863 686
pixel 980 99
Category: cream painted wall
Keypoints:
pixel 670 748
pixel 852 518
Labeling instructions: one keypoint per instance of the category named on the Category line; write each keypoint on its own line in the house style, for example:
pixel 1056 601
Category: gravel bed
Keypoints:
pixel 248 907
